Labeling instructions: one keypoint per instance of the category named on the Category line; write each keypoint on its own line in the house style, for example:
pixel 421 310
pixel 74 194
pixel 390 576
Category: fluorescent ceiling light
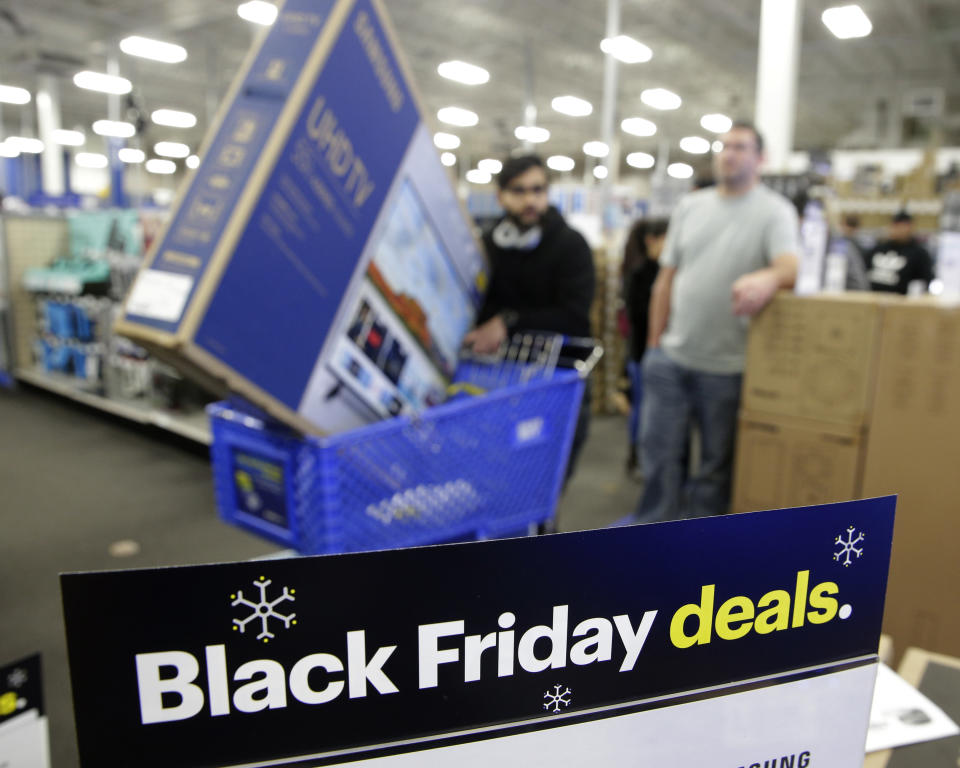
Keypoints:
pixel 145 48
pixel 91 160
pixel 193 162
pixel 161 166
pixel 171 149
pixel 680 171
pixel 716 123
pixel 638 126
pixel 98 81
pixel 572 106
pixel 640 160
pixel 258 11
pixel 448 159
pixel 10 94
pixel 626 49
pixel 846 21
pixel 476 176
pixel 163 196
pixel 129 155
pixel 24 144
pixel 173 118
pixel 463 118
pixel 560 163
pixel 67 138
pixel 695 145
pixel 6 150
pixel 490 165
pixel 717 146
pixel 461 72
pixel 532 133
pixel 600 172
pixel 596 149
pixel 114 128
pixel 660 98
pixel 446 140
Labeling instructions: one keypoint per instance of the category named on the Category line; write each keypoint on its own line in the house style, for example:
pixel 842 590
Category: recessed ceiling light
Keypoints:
pixel 641 160
pixel 171 149
pixel 258 12
pixel 173 118
pixel 8 151
pixel 680 171
pixel 161 166
pixel 490 165
pixel 847 21
pixel 10 94
pixel 446 140
pixel 717 146
pixel 114 128
pixel 193 162
pixel 532 133
pixel 716 123
pixel 103 83
pixel 695 145
pixel 24 144
pixel 572 106
pixel 626 49
pixel 596 149
pixel 638 126
pixel 600 172
pixel 462 72
pixel 476 176
pixel 130 155
pixel 448 159
pixel 561 163
pixel 67 138
pixel 157 50
pixel 91 160
pixel 458 116
pixel 660 98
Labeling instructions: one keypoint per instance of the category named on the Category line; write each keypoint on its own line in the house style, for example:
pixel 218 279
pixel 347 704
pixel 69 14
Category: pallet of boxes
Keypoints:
pixel 855 395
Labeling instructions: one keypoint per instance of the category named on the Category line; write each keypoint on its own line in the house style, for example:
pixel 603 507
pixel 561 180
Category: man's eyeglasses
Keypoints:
pixel 517 191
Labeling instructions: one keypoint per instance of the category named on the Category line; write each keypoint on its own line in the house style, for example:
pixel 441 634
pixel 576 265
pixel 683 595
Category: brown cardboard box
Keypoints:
pixel 814 357
pixel 913 451
pixel 786 462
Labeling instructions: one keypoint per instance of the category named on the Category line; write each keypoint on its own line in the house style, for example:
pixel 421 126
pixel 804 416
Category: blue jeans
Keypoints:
pixel 635 371
pixel 675 398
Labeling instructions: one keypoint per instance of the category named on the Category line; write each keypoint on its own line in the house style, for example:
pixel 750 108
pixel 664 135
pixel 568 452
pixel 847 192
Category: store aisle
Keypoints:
pixel 73 482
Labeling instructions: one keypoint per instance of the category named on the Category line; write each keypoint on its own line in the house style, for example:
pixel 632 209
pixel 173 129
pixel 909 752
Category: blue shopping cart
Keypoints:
pixel 487 463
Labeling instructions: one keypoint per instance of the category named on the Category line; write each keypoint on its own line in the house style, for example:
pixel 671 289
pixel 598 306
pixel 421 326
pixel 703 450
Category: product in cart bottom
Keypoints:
pixel 582 649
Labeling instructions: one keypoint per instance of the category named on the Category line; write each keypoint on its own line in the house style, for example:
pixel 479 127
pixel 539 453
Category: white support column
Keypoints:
pixel 608 132
pixel 48 121
pixel 780 22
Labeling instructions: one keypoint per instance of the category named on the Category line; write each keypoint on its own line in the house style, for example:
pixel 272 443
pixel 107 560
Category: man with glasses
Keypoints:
pixel 729 249
pixel 542 272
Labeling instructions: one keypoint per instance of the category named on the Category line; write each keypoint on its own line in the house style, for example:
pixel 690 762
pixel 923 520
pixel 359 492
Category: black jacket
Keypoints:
pixel 639 286
pixel 550 287
pixel 893 266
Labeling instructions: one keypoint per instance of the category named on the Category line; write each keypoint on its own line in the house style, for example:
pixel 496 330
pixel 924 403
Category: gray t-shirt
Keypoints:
pixel 712 241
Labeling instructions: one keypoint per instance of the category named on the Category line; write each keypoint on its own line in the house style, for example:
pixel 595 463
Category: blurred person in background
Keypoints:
pixel 728 251
pixel 899 260
pixel 640 267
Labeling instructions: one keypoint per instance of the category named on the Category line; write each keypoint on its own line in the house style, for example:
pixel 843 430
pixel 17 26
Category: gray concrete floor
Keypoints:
pixel 75 481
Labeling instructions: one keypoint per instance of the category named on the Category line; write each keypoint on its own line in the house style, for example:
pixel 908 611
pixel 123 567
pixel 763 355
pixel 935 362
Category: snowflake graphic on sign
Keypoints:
pixel 848 546
pixel 17 678
pixel 264 609
pixel 556 698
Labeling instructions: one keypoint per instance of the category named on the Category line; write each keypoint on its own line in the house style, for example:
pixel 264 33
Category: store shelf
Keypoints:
pixel 194 427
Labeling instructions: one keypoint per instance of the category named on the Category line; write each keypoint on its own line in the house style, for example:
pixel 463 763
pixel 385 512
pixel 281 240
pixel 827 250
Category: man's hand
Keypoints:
pixel 753 291
pixel 487 338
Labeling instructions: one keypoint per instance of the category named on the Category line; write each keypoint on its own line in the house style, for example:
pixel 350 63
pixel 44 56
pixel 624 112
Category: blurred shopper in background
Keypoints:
pixel 640 267
pixel 900 260
pixel 728 251
pixel 542 276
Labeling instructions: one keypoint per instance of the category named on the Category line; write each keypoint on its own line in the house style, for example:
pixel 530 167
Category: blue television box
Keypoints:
pixel 318 262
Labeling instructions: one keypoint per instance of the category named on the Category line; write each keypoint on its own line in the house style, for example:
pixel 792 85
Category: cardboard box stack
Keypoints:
pixel 854 396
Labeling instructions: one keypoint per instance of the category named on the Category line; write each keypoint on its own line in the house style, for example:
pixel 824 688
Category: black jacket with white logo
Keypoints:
pixel 892 266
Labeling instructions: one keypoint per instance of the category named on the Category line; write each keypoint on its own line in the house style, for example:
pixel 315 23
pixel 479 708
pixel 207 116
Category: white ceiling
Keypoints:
pixel 705 50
